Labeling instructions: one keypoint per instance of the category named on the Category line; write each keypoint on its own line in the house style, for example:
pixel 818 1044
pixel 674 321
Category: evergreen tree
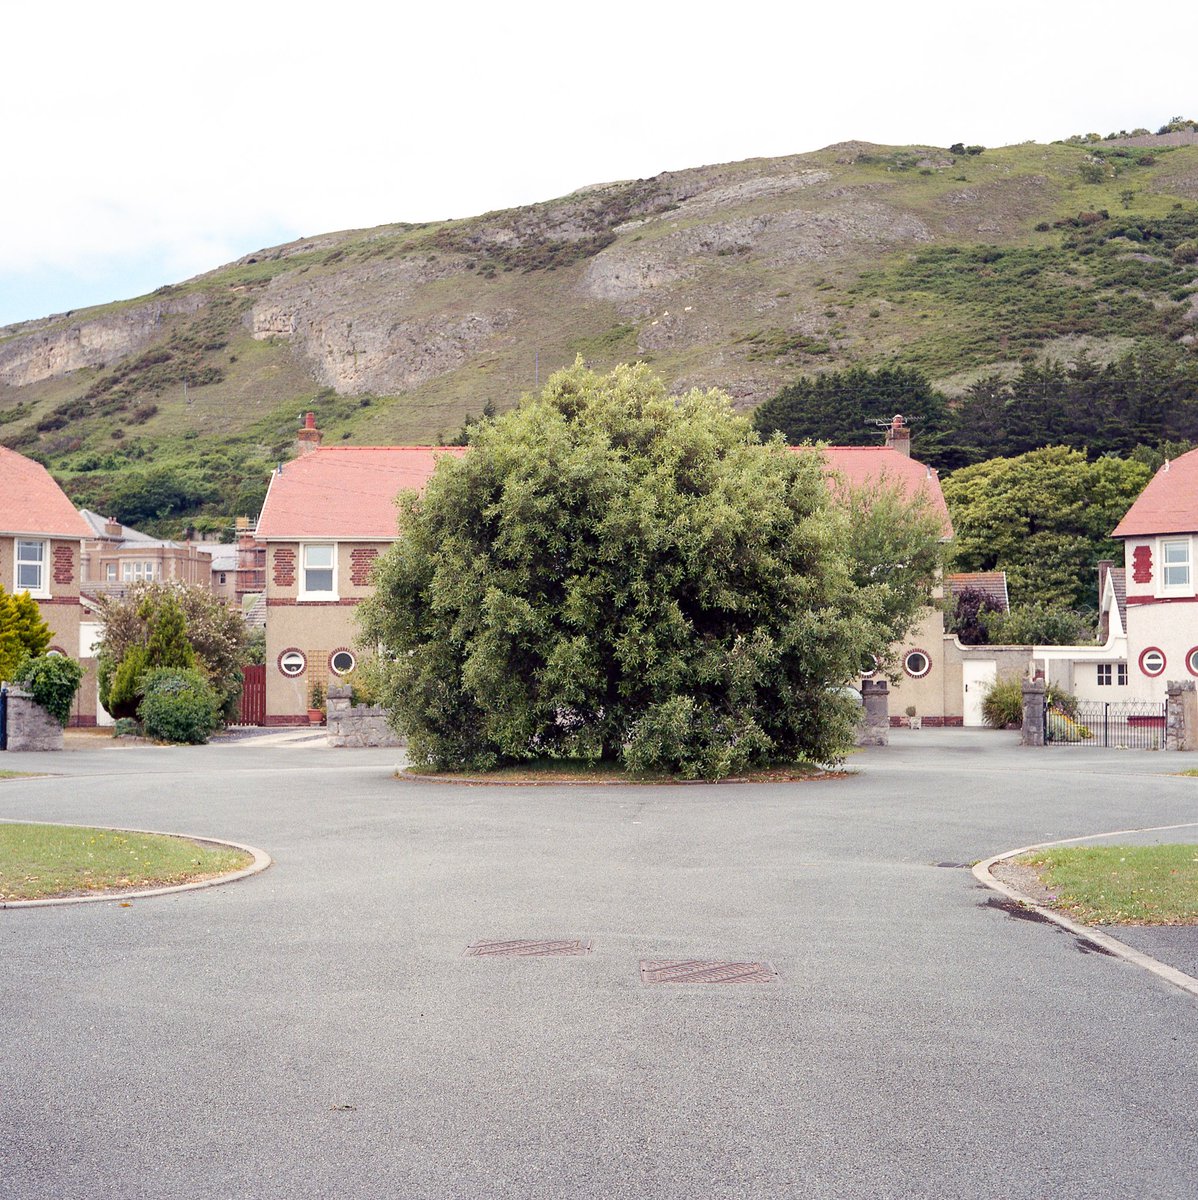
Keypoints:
pixel 23 633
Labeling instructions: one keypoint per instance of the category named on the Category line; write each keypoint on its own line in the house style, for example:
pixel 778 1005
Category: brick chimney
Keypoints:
pixel 308 438
pixel 898 436
pixel 112 527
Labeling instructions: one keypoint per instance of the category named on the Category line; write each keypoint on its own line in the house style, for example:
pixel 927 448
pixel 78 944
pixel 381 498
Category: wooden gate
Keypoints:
pixel 253 697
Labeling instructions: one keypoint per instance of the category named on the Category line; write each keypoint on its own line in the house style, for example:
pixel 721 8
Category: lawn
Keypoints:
pixel 1122 885
pixel 41 861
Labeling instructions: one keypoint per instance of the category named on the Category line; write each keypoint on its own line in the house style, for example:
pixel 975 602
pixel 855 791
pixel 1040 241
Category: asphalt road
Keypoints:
pixel 316 1031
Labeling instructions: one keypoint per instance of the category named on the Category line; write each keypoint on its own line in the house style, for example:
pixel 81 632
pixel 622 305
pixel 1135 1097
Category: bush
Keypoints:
pixel 53 680
pixel 178 705
pixel 23 633
pixel 1038 625
pixel 1003 703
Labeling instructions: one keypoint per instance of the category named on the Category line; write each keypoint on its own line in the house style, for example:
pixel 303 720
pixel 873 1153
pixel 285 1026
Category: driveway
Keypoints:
pixel 316 1031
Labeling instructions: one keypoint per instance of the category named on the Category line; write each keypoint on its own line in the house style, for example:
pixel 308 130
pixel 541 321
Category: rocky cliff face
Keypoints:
pixel 35 351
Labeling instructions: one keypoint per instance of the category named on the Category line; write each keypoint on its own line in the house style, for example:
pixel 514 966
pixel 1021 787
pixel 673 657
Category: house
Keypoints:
pixel 330 512
pixel 1160 581
pixel 928 681
pixel 116 555
pixel 41 549
pixel 327 516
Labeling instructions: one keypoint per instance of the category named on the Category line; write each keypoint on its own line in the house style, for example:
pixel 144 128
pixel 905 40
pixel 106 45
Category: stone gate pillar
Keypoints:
pixel 1033 712
pixel 874 729
pixel 1181 715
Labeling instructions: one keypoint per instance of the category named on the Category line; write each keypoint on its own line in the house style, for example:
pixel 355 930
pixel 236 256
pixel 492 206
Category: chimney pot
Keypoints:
pixel 898 435
pixel 308 438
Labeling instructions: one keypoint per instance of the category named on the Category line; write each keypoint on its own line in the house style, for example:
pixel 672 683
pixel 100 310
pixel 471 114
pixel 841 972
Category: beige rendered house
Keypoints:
pixel 331 511
pixel 327 516
pixel 41 539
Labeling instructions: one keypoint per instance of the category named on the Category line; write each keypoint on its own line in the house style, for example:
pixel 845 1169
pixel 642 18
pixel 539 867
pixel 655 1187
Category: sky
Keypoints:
pixel 144 143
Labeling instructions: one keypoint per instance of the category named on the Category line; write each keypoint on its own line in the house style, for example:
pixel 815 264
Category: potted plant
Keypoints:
pixel 316 705
pixel 913 722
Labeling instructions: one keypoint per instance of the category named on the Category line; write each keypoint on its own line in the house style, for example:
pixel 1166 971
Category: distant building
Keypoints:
pixel 116 556
pixel 41 541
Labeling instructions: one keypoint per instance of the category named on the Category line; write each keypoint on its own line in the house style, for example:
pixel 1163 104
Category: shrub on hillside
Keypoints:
pixel 52 680
pixel 178 705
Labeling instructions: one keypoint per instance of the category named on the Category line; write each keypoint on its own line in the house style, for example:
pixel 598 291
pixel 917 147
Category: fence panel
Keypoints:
pixel 1125 724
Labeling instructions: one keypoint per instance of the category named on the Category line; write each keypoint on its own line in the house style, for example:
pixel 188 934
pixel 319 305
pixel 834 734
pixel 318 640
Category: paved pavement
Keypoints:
pixel 315 1031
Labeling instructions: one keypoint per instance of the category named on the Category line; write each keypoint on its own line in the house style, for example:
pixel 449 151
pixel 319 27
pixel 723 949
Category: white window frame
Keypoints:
pixel 1186 564
pixel 42 590
pixel 304 593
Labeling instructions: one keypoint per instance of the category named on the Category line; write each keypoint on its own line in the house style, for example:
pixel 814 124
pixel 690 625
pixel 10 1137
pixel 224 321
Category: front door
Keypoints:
pixel 979 675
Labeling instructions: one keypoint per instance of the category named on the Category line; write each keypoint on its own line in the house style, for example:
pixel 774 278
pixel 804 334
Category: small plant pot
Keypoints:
pixel 914 722
pixel 316 716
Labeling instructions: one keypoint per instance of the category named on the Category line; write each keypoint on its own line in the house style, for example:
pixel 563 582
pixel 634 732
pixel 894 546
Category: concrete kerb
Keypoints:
pixel 1103 941
pixel 262 860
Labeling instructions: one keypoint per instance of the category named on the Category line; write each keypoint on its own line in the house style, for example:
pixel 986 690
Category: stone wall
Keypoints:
pixel 1181 719
pixel 30 727
pixel 357 725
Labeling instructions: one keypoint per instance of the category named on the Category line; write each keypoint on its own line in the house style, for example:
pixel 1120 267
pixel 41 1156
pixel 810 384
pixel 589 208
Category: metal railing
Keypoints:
pixel 1125 724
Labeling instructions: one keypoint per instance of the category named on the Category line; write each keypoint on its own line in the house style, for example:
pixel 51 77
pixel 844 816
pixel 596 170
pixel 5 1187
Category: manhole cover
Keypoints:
pixel 708 972
pixel 528 947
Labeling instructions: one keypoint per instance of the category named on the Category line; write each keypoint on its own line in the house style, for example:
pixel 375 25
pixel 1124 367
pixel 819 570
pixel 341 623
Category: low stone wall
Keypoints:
pixel 30 727
pixel 357 725
pixel 1181 715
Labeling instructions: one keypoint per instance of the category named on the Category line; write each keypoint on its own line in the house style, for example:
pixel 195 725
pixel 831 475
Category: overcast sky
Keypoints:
pixel 146 142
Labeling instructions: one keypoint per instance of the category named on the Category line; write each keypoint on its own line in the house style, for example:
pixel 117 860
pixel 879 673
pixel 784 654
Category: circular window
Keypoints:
pixel 917 664
pixel 292 662
pixel 869 666
pixel 1152 661
pixel 1192 661
pixel 341 662
pixel 55 652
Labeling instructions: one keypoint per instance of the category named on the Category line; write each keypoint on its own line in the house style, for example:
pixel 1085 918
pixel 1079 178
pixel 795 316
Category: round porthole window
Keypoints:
pixel 55 652
pixel 869 666
pixel 917 664
pixel 341 662
pixel 292 662
pixel 1152 661
pixel 1192 661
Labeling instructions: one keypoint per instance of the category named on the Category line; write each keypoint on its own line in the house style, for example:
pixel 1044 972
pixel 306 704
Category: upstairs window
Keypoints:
pixel 31 567
pixel 134 572
pixel 1176 556
pixel 319 571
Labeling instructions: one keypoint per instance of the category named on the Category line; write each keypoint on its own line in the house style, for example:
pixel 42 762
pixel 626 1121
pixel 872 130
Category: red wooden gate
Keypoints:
pixel 253 697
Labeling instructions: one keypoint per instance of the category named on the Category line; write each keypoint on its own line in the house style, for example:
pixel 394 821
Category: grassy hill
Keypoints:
pixel 740 275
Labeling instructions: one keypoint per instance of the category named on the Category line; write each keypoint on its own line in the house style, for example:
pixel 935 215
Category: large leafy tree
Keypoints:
pixel 613 572
pixel 1043 517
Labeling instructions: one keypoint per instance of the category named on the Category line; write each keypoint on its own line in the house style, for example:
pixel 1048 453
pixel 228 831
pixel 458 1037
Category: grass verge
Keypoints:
pixel 18 775
pixel 1122 885
pixel 38 862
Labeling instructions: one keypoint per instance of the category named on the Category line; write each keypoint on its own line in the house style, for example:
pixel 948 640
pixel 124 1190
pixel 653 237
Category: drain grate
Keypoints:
pixel 528 947
pixel 708 972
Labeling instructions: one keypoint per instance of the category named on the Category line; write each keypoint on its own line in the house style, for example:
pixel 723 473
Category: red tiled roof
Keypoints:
pixel 31 502
pixel 868 466
pixel 1169 504
pixel 992 584
pixel 345 491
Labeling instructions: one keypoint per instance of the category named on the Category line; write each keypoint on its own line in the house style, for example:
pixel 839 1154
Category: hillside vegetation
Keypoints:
pixel 968 265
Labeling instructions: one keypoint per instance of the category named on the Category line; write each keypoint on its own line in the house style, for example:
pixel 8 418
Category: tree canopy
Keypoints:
pixel 612 572
pixel 1044 518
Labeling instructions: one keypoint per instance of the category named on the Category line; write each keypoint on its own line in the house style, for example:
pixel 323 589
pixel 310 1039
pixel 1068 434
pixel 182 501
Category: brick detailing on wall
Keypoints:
pixel 292 602
pixel 360 561
pixel 64 564
pixel 1141 564
pixel 284 564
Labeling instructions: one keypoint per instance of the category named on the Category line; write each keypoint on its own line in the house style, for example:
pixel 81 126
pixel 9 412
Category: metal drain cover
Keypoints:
pixel 528 947
pixel 708 972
